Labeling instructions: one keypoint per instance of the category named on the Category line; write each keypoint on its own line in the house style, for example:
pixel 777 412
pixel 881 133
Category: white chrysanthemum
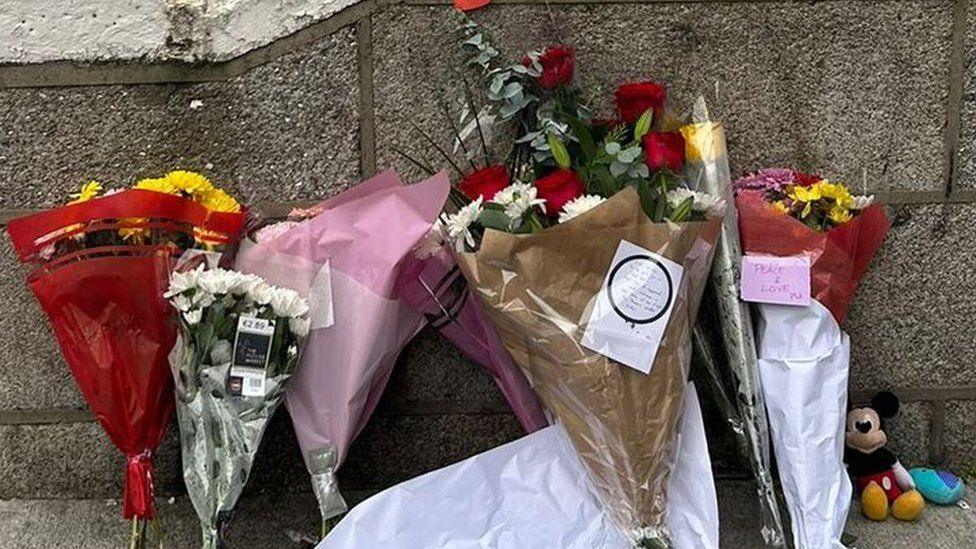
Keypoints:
pixel 518 198
pixel 580 205
pixel 220 353
pixel 217 281
pixel 431 243
pixel 261 293
pixel 181 282
pixel 299 326
pixel 288 303
pixel 243 284
pixel 458 224
pixel 862 202
pixel 193 317
pixel 708 204
pixel 181 302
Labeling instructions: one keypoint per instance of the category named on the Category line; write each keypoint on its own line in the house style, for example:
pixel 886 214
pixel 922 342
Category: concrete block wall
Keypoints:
pixel 877 93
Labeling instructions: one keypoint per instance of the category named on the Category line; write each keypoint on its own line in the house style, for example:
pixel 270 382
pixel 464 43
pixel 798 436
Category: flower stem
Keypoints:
pixel 133 537
pixel 327 526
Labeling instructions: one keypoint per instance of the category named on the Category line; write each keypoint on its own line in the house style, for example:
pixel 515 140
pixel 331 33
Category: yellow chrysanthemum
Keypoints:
pixel 86 192
pixel 838 215
pixel 189 183
pixel 781 207
pixel 805 194
pixel 216 200
pixel 134 235
pixel 835 191
pixel 160 185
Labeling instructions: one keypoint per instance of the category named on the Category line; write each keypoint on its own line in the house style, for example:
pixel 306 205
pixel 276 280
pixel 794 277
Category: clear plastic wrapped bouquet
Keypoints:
pixel 239 342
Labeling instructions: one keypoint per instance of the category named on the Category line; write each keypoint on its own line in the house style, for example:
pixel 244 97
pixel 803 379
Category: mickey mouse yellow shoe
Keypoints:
pixel 908 506
pixel 874 502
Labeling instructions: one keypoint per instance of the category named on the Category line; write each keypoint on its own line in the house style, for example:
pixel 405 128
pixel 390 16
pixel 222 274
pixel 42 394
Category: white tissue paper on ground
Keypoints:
pixel 804 359
pixel 529 494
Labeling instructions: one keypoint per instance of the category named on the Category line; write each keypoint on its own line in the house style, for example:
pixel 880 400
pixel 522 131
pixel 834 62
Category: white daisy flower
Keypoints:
pixel 708 204
pixel 244 283
pixel 862 202
pixel 518 198
pixel 580 205
pixel 288 303
pixel 181 302
pixel 261 293
pixel 299 326
pixel 217 281
pixel 193 317
pixel 181 282
pixel 457 225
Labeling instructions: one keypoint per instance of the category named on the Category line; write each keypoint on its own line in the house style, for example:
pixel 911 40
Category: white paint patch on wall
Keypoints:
pixel 35 31
pixel 239 26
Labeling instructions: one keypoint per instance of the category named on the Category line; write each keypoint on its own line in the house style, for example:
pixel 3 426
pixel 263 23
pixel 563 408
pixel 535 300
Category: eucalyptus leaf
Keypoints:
pixel 627 156
pixel 497 83
pixel 508 111
pixel 511 90
pixel 618 168
pixel 494 219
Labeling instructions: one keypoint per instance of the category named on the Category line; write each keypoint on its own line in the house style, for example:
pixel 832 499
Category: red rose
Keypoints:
pixel 484 182
pixel 664 150
pixel 633 100
pixel 805 179
pixel 557 66
pixel 558 188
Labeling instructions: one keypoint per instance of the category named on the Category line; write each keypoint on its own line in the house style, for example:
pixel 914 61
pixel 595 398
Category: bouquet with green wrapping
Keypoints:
pixel 239 342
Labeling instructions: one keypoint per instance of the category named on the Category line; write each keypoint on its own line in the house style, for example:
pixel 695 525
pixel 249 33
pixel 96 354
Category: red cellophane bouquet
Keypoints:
pixel 99 269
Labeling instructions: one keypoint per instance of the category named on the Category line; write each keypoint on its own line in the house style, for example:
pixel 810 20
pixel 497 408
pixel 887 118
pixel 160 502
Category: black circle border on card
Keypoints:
pixel 667 276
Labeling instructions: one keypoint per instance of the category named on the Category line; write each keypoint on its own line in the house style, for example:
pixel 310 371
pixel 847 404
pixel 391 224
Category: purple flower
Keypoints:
pixel 767 180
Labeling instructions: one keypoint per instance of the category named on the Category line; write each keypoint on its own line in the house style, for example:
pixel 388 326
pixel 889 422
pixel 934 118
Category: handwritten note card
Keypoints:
pixel 779 280
pixel 632 309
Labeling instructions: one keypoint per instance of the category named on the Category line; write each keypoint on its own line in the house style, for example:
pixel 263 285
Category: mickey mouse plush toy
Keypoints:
pixel 882 481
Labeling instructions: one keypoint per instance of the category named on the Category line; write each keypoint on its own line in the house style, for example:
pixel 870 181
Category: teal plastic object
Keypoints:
pixel 941 487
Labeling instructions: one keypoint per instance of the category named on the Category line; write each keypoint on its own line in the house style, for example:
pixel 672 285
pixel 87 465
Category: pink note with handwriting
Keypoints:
pixel 780 280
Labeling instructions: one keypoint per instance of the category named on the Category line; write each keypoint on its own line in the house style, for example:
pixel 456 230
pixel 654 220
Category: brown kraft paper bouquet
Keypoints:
pixel 589 246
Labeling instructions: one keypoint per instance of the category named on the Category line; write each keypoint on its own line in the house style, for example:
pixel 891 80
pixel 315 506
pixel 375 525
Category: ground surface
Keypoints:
pixel 264 522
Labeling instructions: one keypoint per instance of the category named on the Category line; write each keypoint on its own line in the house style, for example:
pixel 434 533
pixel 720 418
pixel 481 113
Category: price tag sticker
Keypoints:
pixel 252 349
pixel 777 280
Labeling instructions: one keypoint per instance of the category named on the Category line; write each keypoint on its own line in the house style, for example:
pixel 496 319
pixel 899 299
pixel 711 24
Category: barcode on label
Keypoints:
pixel 246 382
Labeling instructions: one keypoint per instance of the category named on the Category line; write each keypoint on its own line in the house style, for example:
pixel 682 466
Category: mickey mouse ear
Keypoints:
pixel 885 403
